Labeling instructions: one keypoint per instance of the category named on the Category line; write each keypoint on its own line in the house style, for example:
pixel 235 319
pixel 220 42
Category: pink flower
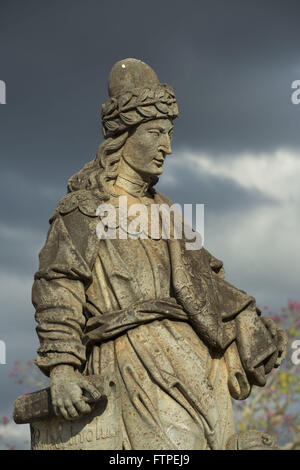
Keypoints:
pixel 4 420
pixel 277 318
pixel 17 368
pixel 26 392
pixel 293 305
pixel 270 415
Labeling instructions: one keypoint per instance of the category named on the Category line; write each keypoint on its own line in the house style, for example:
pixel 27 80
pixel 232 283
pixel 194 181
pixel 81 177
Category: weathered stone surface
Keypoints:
pixel 98 430
pixel 170 340
pixel 252 440
pixel 37 406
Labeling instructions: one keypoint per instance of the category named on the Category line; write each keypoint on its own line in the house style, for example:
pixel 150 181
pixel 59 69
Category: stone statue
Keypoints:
pixel 144 341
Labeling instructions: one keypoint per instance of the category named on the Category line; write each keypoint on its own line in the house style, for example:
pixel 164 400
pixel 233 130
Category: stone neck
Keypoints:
pixel 131 185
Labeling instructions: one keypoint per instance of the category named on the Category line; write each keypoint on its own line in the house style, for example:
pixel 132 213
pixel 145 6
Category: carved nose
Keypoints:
pixel 165 144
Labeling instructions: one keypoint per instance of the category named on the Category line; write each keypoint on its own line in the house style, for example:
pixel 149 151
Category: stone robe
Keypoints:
pixel 168 379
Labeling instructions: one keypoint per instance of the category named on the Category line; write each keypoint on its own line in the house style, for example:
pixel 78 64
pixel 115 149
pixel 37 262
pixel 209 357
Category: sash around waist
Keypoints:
pixel 104 327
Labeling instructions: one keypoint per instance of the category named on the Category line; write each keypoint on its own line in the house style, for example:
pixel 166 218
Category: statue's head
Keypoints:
pixel 145 109
pixel 137 124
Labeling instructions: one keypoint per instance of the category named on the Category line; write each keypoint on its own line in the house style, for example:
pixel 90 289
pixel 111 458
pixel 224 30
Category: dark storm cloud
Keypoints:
pixel 231 64
pixel 19 250
pixel 27 202
pixel 25 208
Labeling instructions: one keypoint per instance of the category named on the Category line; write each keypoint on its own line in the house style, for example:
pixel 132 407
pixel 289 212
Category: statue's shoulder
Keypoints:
pixel 86 201
pixel 74 221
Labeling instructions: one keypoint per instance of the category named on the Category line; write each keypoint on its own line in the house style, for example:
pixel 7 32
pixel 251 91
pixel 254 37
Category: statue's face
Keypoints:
pixel 145 150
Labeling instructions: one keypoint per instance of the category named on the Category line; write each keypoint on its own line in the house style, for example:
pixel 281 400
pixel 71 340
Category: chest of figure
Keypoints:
pixel 130 268
pixel 148 261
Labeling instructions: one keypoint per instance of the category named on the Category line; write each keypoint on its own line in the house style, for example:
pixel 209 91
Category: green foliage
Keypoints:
pixel 275 407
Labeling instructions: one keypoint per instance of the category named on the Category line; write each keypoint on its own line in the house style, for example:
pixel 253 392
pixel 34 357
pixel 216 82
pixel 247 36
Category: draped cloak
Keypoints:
pixel 170 338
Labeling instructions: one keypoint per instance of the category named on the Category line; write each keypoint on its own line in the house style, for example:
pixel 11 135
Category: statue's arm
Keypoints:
pixel 58 295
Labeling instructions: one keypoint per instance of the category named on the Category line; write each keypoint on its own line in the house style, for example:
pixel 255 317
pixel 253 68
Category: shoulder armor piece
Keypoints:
pixel 86 201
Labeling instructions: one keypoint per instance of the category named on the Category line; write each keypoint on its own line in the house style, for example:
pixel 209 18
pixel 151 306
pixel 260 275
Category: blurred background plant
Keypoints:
pixel 275 407
pixel 28 375
pixel 28 378
pixel 4 421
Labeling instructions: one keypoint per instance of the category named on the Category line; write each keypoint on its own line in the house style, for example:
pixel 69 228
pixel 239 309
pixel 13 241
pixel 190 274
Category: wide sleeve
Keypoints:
pixel 257 348
pixel 58 295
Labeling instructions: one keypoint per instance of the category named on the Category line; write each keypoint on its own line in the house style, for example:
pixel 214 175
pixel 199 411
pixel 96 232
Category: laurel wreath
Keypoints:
pixel 136 106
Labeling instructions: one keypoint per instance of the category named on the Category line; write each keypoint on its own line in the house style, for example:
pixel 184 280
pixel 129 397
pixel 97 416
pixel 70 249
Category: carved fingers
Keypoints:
pixel 270 325
pixel 281 346
pixel 71 410
pixel 72 395
pixel 280 338
pixel 93 393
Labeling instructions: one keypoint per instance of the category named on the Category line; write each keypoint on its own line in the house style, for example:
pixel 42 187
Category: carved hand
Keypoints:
pixel 280 338
pixel 67 393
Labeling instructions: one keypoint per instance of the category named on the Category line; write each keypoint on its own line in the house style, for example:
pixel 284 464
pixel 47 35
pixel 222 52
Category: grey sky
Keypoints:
pixel 231 64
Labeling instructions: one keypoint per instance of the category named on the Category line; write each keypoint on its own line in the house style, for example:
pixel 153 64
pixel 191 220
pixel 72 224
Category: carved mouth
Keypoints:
pixel 161 159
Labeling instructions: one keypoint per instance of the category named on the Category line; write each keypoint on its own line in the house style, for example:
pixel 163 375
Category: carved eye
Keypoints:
pixel 154 131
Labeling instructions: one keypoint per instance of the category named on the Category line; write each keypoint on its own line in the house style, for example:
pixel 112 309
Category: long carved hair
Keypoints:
pixel 101 172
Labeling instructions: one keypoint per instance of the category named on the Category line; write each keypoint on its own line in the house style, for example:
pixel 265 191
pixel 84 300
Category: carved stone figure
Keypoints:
pixel 145 342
